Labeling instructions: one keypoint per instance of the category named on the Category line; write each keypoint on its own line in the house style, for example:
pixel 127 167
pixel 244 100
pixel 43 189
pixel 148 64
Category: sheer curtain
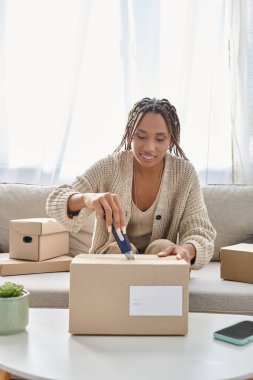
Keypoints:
pixel 70 70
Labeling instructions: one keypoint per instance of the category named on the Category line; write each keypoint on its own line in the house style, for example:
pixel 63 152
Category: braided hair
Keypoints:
pixel 162 107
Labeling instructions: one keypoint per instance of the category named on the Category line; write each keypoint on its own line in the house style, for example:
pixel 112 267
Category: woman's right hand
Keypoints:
pixel 108 207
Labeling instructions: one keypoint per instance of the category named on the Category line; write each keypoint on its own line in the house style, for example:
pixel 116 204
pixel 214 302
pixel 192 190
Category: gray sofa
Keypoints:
pixel 230 210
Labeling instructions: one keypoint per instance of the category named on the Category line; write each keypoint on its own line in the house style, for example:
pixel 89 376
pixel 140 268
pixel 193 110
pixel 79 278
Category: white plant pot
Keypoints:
pixel 14 313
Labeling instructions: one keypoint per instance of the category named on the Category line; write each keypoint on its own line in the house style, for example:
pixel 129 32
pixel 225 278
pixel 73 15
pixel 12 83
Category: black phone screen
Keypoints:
pixel 240 330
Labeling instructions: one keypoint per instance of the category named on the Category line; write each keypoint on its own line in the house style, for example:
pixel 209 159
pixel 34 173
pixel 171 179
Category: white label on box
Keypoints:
pixel 156 300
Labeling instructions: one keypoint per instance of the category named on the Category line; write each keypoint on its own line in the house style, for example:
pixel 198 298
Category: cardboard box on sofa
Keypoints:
pixel 237 262
pixel 37 239
pixel 114 296
pixel 10 267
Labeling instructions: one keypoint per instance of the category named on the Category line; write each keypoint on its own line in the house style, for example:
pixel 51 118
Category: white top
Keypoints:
pixel 47 351
pixel 139 228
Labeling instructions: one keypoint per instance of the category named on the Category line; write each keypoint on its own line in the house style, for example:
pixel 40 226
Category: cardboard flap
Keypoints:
pixel 241 247
pixel 120 259
pixel 36 226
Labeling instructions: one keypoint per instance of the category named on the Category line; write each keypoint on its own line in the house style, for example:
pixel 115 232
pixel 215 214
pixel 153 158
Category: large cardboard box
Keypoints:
pixel 10 267
pixel 114 296
pixel 237 262
pixel 37 239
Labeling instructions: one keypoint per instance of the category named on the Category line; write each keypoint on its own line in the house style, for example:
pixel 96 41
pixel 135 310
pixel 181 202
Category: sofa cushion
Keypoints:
pixel 211 294
pixel 20 201
pixel 248 241
pixel 229 208
pixel 208 292
pixel 231 213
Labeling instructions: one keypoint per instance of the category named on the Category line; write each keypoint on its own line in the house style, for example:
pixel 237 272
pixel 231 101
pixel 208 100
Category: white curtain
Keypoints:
pixel 70 70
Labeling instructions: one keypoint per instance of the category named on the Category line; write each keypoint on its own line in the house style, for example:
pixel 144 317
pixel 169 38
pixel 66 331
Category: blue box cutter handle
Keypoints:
pixel 124 245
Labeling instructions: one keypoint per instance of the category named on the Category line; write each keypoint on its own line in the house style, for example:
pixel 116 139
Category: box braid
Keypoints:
pixel 164 108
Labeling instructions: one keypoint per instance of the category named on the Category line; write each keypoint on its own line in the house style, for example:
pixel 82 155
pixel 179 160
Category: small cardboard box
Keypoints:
pixel 114 296
pixel 10 267
pixel 237 262
pixel 37 239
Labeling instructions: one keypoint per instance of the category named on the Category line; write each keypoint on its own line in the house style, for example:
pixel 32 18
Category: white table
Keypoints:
pixel 47 351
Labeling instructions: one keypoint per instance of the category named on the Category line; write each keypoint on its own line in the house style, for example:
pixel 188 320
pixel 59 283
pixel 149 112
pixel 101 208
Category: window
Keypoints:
pixel 70 70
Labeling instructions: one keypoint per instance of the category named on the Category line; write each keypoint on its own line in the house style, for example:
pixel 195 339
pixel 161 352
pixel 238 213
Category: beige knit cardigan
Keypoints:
pixel 182 213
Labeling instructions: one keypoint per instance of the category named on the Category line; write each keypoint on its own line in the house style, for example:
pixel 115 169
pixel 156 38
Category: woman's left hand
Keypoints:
pixel 185 251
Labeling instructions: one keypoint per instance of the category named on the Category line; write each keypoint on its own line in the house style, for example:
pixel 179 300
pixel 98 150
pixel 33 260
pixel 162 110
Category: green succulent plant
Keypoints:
pixel 9 289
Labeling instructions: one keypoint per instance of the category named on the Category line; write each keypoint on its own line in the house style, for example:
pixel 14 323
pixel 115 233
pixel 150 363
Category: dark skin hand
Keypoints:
pixel 185 251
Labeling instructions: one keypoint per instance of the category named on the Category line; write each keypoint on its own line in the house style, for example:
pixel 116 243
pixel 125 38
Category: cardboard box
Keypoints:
pixel 10 267
pixel 237 262
pixel 114 296
pixel 37 239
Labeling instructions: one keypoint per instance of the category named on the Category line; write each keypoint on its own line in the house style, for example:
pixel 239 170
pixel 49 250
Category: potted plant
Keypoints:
pixel 14 308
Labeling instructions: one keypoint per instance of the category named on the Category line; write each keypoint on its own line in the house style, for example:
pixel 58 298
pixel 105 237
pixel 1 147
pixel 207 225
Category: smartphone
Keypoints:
pixel 240 333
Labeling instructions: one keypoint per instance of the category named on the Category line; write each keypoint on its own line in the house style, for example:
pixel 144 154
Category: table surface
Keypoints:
pixel 47 351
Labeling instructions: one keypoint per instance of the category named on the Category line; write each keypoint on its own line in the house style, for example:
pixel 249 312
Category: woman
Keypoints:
pixel 147 187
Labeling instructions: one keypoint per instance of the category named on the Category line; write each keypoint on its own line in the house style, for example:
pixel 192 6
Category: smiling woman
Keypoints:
pixel 147 189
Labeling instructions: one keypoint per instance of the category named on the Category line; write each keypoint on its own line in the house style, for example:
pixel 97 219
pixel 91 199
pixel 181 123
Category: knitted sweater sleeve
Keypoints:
pixel 195 226
pixel 95 179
